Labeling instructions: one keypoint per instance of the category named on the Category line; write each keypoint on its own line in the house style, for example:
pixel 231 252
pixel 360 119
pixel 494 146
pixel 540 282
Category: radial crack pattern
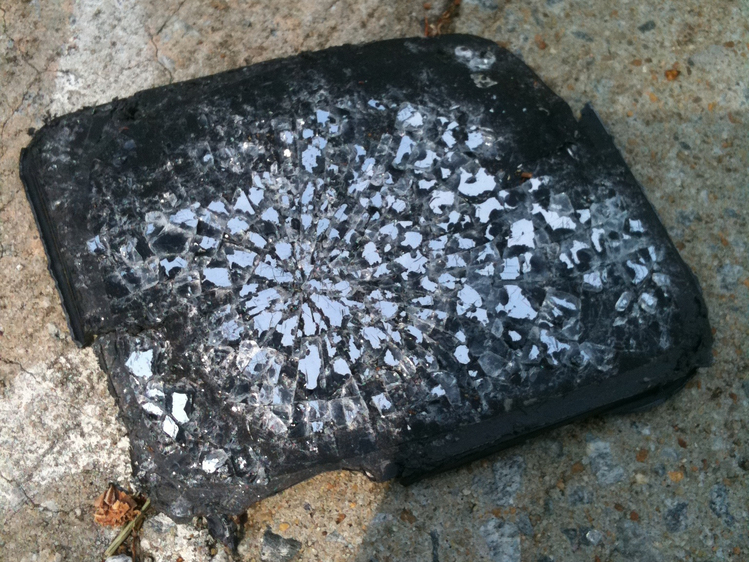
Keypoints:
pixel 357 273
pixel 362 281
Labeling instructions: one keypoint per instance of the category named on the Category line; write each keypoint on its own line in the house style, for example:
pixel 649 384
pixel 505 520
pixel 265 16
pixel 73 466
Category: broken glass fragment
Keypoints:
pixel 370 257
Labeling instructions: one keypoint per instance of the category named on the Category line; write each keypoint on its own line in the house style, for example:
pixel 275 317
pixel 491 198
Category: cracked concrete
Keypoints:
pixel 60 433
pixel 686 138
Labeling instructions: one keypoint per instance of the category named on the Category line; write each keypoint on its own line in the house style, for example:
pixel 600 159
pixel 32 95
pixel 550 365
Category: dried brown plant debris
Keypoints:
pixel 115 508
pixel 444 23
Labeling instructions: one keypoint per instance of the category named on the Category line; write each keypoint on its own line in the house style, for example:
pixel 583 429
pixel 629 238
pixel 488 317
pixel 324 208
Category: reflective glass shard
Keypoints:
pixel 394 257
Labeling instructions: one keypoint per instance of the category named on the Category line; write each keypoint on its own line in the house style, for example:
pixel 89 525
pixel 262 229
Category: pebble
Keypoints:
pixel 580 495
pixel 676 475
pixel 633 542
pixel 275 548
pixel 548 506
pixel 119 558
pixel 670 454
pixel 729 276
pixel 524 524
pixel 503 540
pixel 730 213
pixel 382 518
pixel 583 36
pixel 490 5
pixel 593 537
pixel 602 463
pixel 554 448
pixel 719 504
pixel 571 535
pixel 508 477
pixel 435 537
pixel 647 26
pixel 335 536
pixel 686 218
pixel 53 330
pixel 675 518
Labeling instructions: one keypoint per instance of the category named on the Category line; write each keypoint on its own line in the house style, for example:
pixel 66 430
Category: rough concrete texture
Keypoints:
pixel 669 484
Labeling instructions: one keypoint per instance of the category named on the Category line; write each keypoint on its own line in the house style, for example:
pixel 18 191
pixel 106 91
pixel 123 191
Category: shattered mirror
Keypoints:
pixel 395 257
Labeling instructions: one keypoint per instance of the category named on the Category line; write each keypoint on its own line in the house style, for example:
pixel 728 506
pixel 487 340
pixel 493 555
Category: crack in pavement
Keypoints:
pixel 170 16
pixel 152 39
pixel 11 194
pixel 18 485
pixel 31 469
pixel 29 500
pixel 27 91
pixel 3 150
pixel 5 22
pixel 161 64
pixel 23 369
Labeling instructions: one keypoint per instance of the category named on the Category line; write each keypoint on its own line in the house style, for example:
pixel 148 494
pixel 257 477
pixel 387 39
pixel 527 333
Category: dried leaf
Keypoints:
pixel 115 508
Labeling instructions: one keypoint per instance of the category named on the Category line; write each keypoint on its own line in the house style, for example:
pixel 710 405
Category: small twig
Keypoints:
pixel 126 531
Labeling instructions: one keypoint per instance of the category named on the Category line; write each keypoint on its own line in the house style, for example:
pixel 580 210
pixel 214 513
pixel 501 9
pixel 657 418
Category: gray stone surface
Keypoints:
pixel 502 539
pixel 675 518
pixel 602 463
pixel 686 141
pixel 508 476
pixel 719 504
